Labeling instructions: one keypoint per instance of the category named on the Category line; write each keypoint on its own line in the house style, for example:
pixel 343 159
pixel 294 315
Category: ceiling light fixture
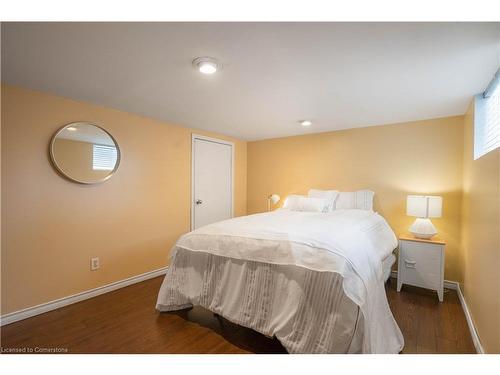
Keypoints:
pixel 206 65
pixel 71 128
pixel 305 123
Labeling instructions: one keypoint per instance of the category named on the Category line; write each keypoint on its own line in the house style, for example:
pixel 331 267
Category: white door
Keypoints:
pixel 212 184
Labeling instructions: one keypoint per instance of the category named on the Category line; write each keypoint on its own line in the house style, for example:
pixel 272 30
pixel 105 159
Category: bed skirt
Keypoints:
pixel 307 311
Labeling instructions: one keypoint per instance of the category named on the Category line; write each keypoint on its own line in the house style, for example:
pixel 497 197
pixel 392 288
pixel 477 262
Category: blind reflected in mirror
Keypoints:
pixel 84 153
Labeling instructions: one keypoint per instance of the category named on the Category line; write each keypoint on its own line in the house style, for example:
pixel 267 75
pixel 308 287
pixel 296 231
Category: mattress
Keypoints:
pixel 315 281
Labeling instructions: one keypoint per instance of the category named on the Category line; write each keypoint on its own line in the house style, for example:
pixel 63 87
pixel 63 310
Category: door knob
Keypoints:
pixel 199 201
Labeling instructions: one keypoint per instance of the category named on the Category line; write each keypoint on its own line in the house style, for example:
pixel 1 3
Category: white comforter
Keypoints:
pixel 352 243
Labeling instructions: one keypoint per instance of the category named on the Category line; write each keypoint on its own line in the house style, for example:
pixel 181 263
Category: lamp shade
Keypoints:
pixel 424 206
pixel 435 206
pixel 275 198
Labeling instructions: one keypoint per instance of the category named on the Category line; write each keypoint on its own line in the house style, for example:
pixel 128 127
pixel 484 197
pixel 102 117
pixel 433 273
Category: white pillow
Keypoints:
pixel 361 200
pixel 301 203
pixel 329 195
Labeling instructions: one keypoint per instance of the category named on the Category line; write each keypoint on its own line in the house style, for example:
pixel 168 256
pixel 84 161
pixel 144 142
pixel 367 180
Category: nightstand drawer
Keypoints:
pixel 421 264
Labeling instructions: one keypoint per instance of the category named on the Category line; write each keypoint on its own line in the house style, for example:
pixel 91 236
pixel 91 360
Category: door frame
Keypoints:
pixel 214 140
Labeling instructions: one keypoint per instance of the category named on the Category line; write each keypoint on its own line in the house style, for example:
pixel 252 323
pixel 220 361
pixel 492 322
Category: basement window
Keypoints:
pixel 103 157
pixel 487 119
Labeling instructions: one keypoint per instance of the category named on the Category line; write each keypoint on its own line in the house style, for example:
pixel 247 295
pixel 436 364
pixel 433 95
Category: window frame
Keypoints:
pixel 481 103
pixel 101 146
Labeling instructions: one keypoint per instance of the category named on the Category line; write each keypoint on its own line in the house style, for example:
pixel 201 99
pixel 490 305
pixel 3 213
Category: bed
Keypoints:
pixel 313 280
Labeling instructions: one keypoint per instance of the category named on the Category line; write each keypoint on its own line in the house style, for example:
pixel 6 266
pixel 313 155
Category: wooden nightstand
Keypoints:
pixel 421 263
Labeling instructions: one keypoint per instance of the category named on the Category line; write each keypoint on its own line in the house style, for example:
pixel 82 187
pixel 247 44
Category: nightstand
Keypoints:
pixel 421 263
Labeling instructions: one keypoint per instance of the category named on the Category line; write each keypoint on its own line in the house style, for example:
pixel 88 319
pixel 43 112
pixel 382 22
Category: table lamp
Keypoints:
pixel 423 207
pixel 274 198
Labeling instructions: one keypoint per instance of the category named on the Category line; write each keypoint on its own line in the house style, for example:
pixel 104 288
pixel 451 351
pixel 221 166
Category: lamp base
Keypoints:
pixel 423 228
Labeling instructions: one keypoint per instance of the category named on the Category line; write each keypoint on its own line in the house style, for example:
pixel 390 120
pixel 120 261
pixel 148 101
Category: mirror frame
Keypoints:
pixel 63 174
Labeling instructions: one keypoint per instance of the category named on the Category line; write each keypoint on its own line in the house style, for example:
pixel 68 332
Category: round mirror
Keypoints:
pixel 84 153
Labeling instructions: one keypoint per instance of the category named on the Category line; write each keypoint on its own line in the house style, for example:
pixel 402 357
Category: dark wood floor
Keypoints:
pixel 125 321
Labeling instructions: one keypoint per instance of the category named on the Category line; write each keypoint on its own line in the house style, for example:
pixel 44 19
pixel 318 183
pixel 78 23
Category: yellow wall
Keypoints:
pixel 423 157
pixel 51 227
pixel 481 243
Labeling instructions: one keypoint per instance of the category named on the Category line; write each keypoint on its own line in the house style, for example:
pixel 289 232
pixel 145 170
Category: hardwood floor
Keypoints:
pixel 427 325
pixel 125 321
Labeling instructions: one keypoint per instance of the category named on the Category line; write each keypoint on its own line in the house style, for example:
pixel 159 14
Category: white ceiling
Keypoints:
pixel 339 75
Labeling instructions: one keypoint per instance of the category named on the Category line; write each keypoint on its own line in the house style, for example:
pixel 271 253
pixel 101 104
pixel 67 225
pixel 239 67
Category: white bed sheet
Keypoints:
pixel 387 264
pixel 351 243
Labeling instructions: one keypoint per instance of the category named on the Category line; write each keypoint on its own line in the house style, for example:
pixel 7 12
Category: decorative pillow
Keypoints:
pixel 329 195
pixel 302 203
pixel 361 200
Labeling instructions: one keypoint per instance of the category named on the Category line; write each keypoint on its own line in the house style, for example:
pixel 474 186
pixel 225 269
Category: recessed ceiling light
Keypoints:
pixel 71 128
pixel 206 65
pixel 305 123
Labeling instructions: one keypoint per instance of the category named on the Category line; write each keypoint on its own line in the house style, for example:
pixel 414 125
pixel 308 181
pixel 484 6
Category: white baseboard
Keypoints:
pixel 65 301
pixel 470 322
pixel 472 328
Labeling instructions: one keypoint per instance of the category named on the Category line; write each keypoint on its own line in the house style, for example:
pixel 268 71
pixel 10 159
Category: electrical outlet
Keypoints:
pixel 94 264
